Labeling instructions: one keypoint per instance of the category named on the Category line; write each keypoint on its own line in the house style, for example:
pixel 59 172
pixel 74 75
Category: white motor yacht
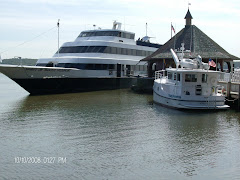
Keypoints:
pixel 97 60
pixel 191 85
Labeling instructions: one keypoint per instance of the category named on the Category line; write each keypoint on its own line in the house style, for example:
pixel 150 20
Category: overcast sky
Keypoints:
pixel 34 21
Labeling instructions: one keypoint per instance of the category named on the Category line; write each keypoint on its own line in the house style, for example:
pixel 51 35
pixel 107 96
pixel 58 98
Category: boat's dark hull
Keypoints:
pixel 73 85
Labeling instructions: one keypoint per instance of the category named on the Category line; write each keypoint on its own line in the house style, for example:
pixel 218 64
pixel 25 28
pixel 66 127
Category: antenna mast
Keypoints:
pixel 58 36
pixel 146 29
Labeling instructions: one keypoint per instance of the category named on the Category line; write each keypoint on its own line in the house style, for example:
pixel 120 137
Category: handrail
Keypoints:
pixel 159 74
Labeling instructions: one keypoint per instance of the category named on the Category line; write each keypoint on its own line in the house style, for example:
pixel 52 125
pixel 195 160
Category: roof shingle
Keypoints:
pixel 194 40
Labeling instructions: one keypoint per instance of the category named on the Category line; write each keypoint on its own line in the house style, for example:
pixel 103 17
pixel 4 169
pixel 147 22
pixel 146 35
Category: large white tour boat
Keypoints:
pixel 97 60
pixel 192 86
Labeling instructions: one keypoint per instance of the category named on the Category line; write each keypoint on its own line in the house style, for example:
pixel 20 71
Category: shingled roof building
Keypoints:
pixel 197 42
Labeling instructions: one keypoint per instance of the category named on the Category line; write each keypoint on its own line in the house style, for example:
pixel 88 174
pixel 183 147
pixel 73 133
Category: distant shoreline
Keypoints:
pixel 24 61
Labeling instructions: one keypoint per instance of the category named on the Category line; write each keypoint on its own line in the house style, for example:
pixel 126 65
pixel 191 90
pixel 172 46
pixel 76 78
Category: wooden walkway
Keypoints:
pixel 231 88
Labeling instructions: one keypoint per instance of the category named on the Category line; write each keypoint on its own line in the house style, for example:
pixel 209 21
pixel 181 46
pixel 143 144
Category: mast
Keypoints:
pixel 58 36
pixel 146 29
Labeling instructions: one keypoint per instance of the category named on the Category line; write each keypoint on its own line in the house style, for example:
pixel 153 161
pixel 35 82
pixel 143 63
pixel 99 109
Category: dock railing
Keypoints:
pixel 224 77
pixel 230 77
pixel 230 83
pixel 236 76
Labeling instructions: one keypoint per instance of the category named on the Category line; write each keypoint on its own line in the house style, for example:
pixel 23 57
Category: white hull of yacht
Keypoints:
pixel 52 80
pixel 29 72
pixel 212 102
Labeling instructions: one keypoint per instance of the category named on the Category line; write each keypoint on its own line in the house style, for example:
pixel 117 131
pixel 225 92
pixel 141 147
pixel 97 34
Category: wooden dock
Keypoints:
pixel 231 88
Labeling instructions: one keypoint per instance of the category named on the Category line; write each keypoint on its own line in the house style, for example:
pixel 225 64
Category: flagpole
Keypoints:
pixel 58 36
pixel 174 37
pixel 171 30
pixel 146 29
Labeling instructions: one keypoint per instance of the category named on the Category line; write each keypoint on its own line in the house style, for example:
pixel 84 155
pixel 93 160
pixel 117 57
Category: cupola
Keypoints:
pixel 188 18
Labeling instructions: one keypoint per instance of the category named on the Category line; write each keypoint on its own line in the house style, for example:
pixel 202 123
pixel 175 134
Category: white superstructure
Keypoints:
pixel 102 50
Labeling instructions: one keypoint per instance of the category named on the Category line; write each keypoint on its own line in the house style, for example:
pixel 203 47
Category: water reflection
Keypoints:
pixel 112 134
pixel 195 139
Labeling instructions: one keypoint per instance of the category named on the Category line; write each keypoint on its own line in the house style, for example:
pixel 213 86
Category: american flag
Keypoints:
pixel 211 63
pixel 173 28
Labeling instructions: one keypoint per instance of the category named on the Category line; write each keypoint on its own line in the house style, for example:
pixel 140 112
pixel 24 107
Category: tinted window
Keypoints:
pixel 107 33
pixel 84 66
pixel 41 64
pixel 139 53
pixel 82 49
pixel 114 50
pixel 175 76
pixel 89 49
pixel 190 78
pixel 104 66
pixel 98 66
pixel 103 49
pixel 204 78
pixel 111 66
pixel 169 74
pixel 178 77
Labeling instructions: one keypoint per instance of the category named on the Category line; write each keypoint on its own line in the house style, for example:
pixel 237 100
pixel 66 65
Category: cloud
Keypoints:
pixel 24 19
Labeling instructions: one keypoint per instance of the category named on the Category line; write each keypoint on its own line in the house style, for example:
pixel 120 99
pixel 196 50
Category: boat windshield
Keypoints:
pixel 107 33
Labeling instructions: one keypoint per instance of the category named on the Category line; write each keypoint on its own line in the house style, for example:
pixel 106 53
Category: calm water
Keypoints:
pixel 112 135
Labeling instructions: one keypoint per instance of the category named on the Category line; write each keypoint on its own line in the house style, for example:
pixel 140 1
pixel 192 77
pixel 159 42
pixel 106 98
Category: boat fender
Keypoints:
pixel 223 90
pixel 213 89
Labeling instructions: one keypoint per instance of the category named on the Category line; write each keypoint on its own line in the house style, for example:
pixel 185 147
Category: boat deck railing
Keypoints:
pixel 159 74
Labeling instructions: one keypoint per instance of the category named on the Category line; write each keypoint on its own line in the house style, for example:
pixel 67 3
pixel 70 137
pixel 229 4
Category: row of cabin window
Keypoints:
pixel 107 33
pixel 193 78
pixel 81 66
pixel 95 66
pixel 188 77
pixel 104 49
pixel 174 76
pixel 125 51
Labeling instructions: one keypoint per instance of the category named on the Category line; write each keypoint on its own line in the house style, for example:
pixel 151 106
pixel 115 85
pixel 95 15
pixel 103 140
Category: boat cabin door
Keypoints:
pixel 128 68
pixel 119 70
